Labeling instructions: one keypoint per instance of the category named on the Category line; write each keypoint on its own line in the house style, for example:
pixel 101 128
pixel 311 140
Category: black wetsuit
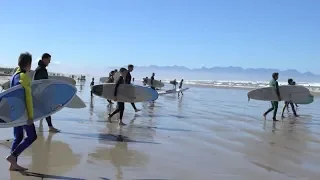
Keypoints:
pixel 91 84
pixel 128 81
pixel 110 80
pixel 42 73
pixel 151 83
pixel 120 105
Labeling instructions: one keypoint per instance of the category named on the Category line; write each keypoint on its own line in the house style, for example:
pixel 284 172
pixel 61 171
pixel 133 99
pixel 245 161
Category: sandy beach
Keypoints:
pixel 206 134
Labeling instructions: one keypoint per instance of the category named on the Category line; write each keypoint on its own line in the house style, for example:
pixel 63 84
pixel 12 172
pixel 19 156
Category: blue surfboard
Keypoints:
pixel 49 96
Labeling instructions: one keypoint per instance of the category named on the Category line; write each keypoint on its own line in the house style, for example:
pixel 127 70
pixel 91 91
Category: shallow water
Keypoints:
pixel 206 134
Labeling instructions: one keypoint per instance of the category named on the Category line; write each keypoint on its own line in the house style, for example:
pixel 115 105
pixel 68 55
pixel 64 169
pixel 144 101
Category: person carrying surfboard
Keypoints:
pixel 19 144
pixel 286 103
pixel 274 83
pixel 42 73
pixel 91 84
pixel 110 80
pixel 120 105
pixel 128 81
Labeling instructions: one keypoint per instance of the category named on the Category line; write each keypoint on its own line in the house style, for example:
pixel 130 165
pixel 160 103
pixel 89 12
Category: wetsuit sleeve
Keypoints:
pixel 26 84
pixel 40 74
pixel 117 85
pixel 277 88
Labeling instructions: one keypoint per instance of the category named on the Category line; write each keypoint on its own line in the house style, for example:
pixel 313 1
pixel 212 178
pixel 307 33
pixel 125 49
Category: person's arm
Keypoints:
pixel 26 84
pixel 117 85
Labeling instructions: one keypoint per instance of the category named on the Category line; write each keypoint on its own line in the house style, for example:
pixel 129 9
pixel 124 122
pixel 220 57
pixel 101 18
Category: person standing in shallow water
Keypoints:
pixel 286 104
pixel 274 83
pixel 42 73
pixel 152 81
pixel 120 105
pixel 19 144
pixel 180 87
pixel 128 81
pixel 91 85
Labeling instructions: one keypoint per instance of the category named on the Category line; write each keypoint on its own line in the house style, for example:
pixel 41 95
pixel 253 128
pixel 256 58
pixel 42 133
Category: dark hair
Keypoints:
pixel 290 80
pixel 24 60
pixel 123 69
pixel 275 74
pixel 130 66
pixel 45 56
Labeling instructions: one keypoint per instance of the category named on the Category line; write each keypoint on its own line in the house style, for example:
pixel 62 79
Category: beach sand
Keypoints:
pixel 206 134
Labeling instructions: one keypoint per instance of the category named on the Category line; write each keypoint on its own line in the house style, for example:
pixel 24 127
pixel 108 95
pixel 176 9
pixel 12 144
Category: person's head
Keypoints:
pixel 112 73
pixel 275 76
pixel 290 81
pixel 25 61
pixel 116 70
pixel 46 58
pixel 181 80
pixel 153 74
pixel 293 83
pixel 123 72
pixel 130 67
pixel 92 79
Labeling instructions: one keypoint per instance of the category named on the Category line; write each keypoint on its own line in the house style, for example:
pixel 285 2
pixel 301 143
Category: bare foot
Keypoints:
pixel 137 110
pixel 296 115
pixel 275 120
pixel 121 123
pixel 265 116
pixel 52 129
pixel 13 164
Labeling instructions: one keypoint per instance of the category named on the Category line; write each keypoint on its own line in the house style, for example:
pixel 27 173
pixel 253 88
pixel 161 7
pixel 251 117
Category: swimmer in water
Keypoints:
pixel 286 104
pixel 274 83
pixel 120 105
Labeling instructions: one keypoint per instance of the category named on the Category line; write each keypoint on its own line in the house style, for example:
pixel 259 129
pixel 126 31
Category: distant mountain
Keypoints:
pixel 225 73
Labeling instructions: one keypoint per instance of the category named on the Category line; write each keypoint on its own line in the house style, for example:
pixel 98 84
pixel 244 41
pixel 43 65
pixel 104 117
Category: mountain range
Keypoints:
pixel 221 73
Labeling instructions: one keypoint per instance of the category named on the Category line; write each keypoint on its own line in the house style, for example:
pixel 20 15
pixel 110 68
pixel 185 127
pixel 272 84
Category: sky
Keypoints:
pixel 92 35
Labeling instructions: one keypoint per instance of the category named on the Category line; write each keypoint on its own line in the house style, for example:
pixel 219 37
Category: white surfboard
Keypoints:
pixel 287 93
pixel 76 102
pixel 49 97
pixel 6 85
pixel 126 92
pixel 172 91
pixel 156 83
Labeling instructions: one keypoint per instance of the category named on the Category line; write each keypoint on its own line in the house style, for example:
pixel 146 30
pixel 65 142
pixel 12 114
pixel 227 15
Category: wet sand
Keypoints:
pixel 207 134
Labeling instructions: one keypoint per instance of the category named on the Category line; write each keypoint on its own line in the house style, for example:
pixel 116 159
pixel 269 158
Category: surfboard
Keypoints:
pixel 6 85
pixel 76 103
pixel 308 100
pixel 49 97
pixel 103 79
pixel 172 82
pixel 172 91
pixel 116 76
pixel 156 83
pixel 287 93
pixel 126 92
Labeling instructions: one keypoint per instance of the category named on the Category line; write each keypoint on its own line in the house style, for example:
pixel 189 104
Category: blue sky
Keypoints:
pixel 100 33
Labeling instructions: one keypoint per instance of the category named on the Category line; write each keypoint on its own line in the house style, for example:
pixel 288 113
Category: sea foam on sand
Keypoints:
pixel 206 134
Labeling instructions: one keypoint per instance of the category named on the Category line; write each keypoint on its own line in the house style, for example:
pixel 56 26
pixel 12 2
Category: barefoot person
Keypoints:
pixel 91 85
pixel 180 87
pixel 286 104
pixel 20 144
pixel 42 73
pixel 274 83
pixel 128 81
pixel 120 105
pixel 152 81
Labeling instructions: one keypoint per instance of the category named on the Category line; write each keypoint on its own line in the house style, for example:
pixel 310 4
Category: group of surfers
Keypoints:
pixel 274 104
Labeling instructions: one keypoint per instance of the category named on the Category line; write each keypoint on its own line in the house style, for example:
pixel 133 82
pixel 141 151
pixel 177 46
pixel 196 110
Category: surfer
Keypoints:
pixel 42 73
pixel 174 84
pixel 274 83
pixel 120 105
pixel 110 80
pixel 92 84
pixel 128 81
pixel 180 86
pixel 19 144
pixel 151 81
pixel 145 81
pixel 286 103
